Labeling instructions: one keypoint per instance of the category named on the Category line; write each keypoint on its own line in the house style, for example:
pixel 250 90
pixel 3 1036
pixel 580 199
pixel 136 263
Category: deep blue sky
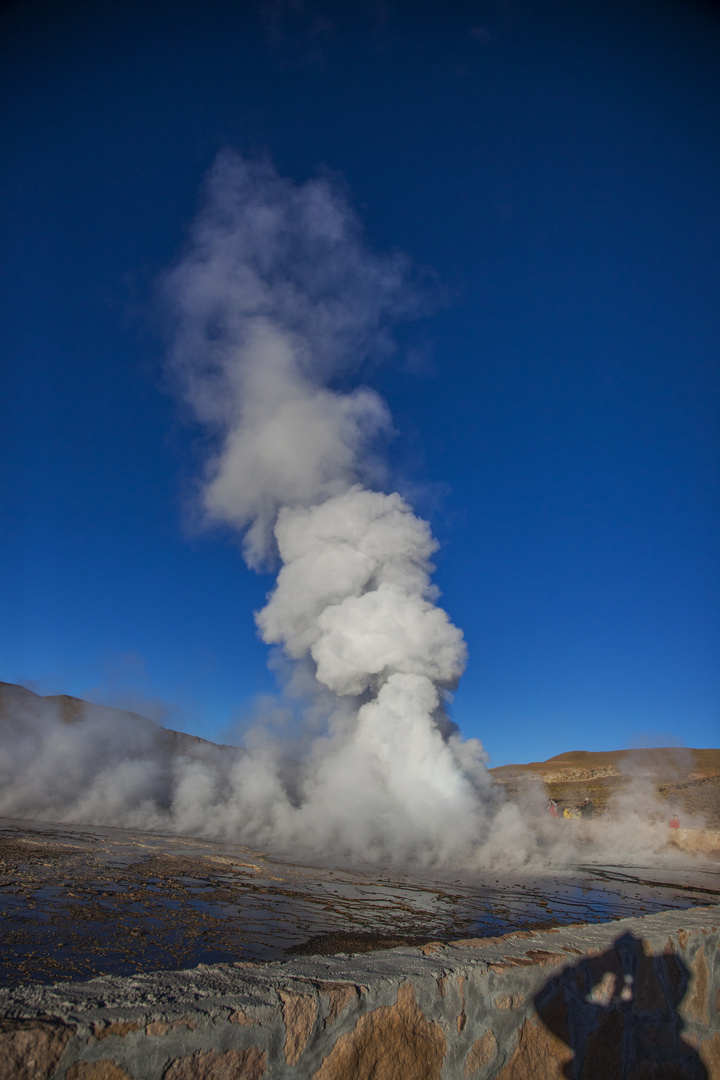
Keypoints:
pixel 556 166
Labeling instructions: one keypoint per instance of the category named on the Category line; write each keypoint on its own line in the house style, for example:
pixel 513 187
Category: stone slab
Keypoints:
pixel 631 997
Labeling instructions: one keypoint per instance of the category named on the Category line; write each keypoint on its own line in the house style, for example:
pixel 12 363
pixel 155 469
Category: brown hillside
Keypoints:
pixel 17 703
pixel 688 779
pixel 655 759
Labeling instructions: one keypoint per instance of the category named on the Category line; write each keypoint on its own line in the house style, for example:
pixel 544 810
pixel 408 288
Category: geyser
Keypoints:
pixel 276 298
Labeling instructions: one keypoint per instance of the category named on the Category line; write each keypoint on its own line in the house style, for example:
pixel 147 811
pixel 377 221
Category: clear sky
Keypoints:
pixel 553 169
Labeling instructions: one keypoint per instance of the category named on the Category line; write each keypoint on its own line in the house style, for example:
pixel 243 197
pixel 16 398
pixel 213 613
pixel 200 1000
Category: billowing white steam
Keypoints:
pixel 354 591
pixel 275 298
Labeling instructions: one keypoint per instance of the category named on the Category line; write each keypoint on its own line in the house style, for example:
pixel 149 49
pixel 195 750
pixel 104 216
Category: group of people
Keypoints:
pixel 586 809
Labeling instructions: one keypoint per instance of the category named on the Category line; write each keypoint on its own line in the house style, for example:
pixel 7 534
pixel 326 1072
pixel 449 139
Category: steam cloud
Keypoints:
pixel 276 297
pixel 274 304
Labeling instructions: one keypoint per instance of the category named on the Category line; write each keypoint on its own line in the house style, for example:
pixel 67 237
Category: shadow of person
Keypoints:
pixel 618 1014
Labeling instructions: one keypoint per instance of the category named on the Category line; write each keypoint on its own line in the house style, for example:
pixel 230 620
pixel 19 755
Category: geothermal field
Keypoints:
pixel 86 891
pixel 139 942
pixel 81 901
pixel 352 892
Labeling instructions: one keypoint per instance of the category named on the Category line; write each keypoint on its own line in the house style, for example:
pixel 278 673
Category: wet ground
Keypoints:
pixel 81 901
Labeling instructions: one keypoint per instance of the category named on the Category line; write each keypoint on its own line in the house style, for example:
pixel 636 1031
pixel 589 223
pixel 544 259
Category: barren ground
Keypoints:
pixel 82 901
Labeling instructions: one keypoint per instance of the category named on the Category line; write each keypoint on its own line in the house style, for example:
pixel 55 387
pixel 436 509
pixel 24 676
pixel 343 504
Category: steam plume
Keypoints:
pixel 276 297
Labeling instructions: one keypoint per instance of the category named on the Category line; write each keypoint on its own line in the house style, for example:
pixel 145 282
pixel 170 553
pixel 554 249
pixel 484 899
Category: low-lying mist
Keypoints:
pixel 67 761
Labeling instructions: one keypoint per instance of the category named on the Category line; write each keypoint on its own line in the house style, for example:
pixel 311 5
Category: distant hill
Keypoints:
pixel 577 765
pixel 687 778
pixel 17 703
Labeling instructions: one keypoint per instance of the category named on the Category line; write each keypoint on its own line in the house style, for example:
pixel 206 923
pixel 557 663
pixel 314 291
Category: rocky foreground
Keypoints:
pixel 639 998
pixel 131 955
pixel 80 901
